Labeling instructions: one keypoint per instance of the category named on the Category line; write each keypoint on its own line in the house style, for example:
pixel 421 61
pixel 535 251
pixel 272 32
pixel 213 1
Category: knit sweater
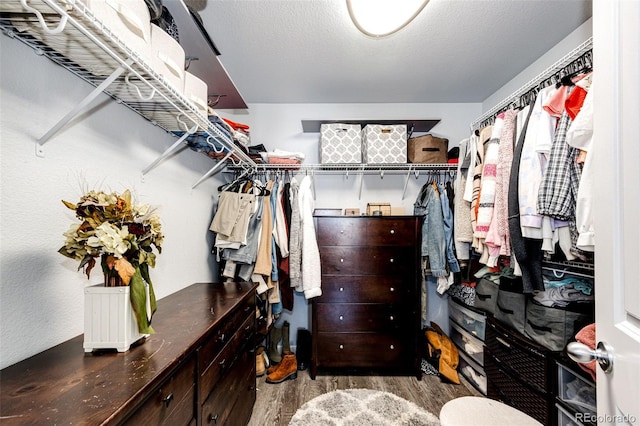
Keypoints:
pixel 497 239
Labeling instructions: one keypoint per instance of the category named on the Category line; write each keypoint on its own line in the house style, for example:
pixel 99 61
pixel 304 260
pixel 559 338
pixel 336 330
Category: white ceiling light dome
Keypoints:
pixel 380 18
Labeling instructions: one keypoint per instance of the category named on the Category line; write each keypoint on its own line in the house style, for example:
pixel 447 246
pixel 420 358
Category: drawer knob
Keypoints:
pixel 391 289
pixel 391 347
pixel 213 419
pixel 341 288
pixel 341 317
pixel 392 231
pixel 342 231
pixel 341 346
pixel 391 317
pixel 391 260
pixel 167 399
pixel 341 260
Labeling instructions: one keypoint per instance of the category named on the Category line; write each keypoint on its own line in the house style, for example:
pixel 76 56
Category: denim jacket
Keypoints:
pixel 429 206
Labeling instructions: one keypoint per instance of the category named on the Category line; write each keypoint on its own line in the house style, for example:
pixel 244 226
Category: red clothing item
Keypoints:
pixel 574 101
pixel 236 126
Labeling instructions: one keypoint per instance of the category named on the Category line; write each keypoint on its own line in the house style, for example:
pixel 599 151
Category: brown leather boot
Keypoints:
pixel 287 369
pixel 260 367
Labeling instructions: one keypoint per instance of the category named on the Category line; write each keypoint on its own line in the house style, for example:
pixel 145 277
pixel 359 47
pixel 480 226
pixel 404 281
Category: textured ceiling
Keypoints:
pixel 308 51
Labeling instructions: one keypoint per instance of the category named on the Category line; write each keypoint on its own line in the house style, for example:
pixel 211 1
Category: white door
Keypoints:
pixel 617 205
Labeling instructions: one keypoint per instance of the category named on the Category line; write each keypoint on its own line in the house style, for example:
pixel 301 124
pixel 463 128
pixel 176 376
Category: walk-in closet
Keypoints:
pixel 272 213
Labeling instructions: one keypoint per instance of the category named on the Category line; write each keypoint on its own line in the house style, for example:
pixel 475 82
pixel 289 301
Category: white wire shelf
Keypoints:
pixel 54 25
pixel 400 168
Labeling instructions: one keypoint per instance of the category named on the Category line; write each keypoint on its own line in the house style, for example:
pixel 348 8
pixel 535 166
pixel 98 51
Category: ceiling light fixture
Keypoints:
pixel 381 18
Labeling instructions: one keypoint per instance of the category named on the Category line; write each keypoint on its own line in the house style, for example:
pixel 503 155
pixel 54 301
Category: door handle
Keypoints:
pixel 583 354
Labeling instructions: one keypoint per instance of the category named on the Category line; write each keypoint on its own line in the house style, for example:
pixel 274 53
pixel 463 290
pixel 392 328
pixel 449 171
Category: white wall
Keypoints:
pixel 41 291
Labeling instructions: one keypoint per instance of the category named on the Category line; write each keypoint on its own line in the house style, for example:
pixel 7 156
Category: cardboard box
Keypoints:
pixel 397 211
pixel 385 208
pixel 352 212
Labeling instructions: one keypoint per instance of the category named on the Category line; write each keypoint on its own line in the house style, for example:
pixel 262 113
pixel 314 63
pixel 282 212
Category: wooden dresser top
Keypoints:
pixel 63 385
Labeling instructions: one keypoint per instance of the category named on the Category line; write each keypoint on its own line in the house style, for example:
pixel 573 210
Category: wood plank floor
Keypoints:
pixel 277 403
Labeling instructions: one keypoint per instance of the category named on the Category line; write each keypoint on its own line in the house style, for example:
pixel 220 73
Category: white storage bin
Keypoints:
pixel 385 144
pixel 126 20
pixel 195 90
pixel 472 372
pixel 473 322
pixel 473 346
pixel 576 391
pixel 167 58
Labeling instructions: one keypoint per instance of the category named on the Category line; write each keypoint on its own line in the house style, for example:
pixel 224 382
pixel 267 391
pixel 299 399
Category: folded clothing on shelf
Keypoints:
pixel 279 156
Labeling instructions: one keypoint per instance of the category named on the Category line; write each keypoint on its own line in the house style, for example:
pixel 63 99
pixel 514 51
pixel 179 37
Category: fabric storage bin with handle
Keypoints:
pixel 195 90
pixel 167 58
pixel 511 304
pixel 553 327
pixel 427 149
pixel 486 295
pixel 384 144
pixel 340 143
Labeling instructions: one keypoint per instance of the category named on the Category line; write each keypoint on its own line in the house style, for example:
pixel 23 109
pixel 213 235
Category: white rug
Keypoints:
pixel 361 407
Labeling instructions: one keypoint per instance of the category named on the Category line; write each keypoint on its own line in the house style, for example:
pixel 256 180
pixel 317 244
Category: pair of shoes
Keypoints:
pixel 286 370
pixel 275 336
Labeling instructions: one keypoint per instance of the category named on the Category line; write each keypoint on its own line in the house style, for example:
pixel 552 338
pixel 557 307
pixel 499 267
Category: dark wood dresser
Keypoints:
pixel 369 313
pixel 198 369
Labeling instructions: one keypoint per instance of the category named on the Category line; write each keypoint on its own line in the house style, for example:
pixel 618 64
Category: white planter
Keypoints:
pixel 109 321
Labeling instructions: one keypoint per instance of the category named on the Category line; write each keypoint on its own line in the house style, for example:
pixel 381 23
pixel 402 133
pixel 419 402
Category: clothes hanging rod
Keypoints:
pixel 355 168
pixel 559 65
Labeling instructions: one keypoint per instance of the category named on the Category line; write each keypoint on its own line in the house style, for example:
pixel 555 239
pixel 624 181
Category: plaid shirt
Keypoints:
pixel 559 186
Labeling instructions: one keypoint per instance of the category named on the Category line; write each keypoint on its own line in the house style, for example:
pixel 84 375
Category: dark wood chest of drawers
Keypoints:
pixel 198 369
pixel 369 313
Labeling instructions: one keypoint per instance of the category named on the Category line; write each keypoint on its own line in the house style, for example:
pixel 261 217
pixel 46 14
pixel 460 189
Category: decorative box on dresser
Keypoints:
pixel 198 369
pixel 369 313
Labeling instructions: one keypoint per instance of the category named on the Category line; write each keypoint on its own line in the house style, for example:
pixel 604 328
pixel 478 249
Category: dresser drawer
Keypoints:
pixel 219 403
pixel 241 411
pixel 221 336
pixel 364 350
pixel 225 360
pixel 347 317
pixel 368 261
pixel 173 402
pixel 341 231
pixel 526 359
pixel 392 231
pixel 366 289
